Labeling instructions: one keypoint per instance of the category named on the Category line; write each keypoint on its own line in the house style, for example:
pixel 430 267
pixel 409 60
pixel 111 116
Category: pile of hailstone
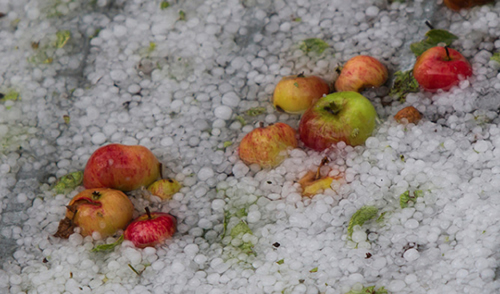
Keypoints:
pixel 180 77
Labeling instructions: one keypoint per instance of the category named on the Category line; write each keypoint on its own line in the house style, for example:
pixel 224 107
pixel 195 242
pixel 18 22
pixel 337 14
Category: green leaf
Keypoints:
pixel 361 216
pixel 433 38
pixel 110 246
pixel 240 229
pixel 68 182
pixel 404 83
pixel 256 111
pixel 369 290
pixel 495 57
pixel 313 45
pixel 314 270
pixel 406 197
pixel 164 5
pixel 11 95
pixel 62 38
pixel 227 144
pixel 281 261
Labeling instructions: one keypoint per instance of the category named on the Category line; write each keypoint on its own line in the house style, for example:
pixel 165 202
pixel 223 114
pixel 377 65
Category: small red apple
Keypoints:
pixel 441 68
pixel 164 188
pixel 361 72
pixel 150 229
pixel 341 116
pixel 121 167
pixel 96 210
pixel 459 4
pixel 295 94
pixel 267 146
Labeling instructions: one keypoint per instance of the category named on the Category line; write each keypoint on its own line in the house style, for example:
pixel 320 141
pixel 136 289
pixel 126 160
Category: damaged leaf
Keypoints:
pixel 433 38
pixel 404 83
pixel 68 182
pixel 110 246
pixel 361 216
pixel 406 198
pixel 314 45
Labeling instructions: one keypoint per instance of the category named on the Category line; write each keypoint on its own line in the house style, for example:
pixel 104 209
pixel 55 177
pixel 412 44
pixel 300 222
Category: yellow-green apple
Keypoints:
pixel 296 93
pixel 441 68
pixel 459 4
pixel 361 72
pixel 341 116
pixel 150 229
pixel 267 146
pixel 164 188
pixel 99 210
pixel 121 167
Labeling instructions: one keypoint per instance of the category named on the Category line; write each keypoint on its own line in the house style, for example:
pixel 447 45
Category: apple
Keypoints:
pixel 99 210
pixel 341 116
pixel 150 229
pixel 164 188
pixel 121 167
pixel 294 94
pixel 267 146
pixel 441 68
pixel 361 72
pixel 459 4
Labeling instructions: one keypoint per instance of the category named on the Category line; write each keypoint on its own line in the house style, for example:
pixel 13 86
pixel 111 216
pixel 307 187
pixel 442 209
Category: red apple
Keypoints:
pixel 96 210
pixel 121 167
pixel 150 229
pixel 295 94
pixel 268 146
pixel 164 188
pixel 459 4
pixel 441 68
pixel 361 72
pixel 342 116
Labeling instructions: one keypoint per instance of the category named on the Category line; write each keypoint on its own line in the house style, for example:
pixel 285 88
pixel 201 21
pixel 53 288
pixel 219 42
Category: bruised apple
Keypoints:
pixel 150 229
pixel 121 167
pixel 99 210
pixel 294 94
pixel 267 146
pixel 459 4
pixel 361 72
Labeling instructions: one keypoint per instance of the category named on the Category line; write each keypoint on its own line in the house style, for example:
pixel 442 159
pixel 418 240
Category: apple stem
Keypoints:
pixel 261 124
pixel 324 161
pixel 301 75
pixel 447 53
pixel 333 108
pixel 148 212
pixel 427 23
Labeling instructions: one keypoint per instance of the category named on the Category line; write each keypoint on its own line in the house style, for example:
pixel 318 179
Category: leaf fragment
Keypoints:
pixel 406 197
pixel 314 45
pixel 369 290
pixel 281 261
pixel 495 57
pixel 433 38
pixel 62 38
pixel 164 5
pixel 404 83
pixel 240 229
pixel 110 246
pixel 68 182
pixel 361 216
pixel 255 111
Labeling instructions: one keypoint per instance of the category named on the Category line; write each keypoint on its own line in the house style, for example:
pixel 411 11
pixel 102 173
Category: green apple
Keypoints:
pixel 342 116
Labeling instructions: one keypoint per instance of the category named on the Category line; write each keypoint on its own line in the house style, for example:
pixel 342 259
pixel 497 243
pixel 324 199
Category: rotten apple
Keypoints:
pixel 441 68
pixel 342 116
pixel 296 93
pixel 267 146
pixel 150 229
pixel 99 210
pixel 121 167
pixel 361 72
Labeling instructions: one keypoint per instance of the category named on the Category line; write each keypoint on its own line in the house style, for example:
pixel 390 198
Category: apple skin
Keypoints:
pixel 361 72
pixel 99 210
pixel 121 167
pixel 459 4
pixel 341 116
pixel 434 71
pixel 164 188
pixel 294 94
pixel 150 229
pixel 267 146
